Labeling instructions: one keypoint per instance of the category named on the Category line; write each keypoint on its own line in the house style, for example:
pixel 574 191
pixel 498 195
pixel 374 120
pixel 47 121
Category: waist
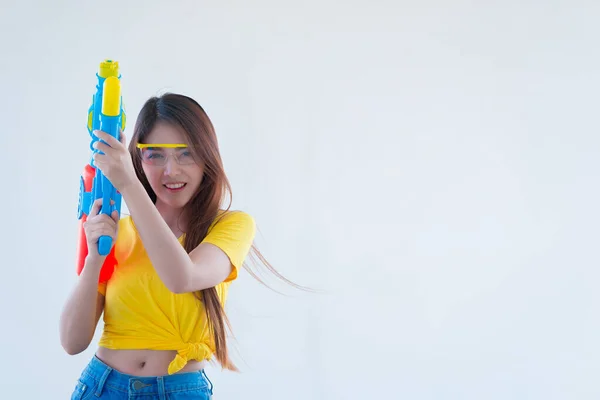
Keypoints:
pixel 184 351
pixel 101 372
pixel 145 362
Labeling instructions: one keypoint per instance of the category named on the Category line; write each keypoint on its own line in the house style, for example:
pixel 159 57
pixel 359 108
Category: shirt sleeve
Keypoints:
pixel 234 234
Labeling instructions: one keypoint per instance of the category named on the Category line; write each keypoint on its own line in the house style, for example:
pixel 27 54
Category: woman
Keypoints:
pixel 177 254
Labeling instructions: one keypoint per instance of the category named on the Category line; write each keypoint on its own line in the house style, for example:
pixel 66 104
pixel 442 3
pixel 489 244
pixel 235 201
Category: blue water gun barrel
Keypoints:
pixel 92 184
pixel 110 122
pixel 106 114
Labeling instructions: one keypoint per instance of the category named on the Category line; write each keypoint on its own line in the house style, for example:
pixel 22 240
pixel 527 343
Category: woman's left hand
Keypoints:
pixel 115 163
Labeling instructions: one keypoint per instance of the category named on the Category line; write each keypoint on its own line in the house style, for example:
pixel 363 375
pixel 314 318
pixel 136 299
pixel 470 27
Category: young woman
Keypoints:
pixel 177 253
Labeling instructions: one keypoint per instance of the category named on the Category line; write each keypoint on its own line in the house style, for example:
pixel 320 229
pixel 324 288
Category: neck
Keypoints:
pixel 173 217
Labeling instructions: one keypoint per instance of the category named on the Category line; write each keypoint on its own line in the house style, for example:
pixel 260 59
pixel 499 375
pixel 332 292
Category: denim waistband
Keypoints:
pixel 107 376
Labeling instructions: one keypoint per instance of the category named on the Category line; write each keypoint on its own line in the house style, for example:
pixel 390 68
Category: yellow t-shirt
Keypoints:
pixel 141 313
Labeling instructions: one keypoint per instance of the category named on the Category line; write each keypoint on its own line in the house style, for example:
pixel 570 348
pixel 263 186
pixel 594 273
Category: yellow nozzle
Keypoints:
pixel 108 68
pixel 111 97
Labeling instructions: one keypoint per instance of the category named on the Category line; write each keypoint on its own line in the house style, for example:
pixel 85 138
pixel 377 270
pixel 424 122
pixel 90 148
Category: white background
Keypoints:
pixel 431 166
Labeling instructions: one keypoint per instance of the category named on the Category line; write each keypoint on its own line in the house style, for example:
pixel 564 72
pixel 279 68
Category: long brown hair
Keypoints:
pixel 204 207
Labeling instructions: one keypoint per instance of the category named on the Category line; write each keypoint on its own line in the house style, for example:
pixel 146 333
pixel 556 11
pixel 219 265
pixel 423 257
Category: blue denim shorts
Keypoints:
pixel 99 381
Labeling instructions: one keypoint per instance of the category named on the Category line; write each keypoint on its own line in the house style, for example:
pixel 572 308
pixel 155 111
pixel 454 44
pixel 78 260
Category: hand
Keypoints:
pixel 99 225
pixel 115 163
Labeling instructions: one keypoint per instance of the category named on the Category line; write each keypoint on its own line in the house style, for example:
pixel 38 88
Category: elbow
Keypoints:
pixel 186 287
pixel 72 345
pixel 73 352
pixel 180 283
pixel 73 349
pixel 177 287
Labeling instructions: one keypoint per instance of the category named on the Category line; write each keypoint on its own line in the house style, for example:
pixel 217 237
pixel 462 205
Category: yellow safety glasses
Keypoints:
pixel 155 154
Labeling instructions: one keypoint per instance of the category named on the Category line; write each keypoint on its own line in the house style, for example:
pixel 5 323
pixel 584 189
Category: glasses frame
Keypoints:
pixel 168 145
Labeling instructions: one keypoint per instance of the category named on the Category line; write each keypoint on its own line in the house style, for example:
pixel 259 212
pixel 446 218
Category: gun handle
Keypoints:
pixel 104 245
pixel 109 263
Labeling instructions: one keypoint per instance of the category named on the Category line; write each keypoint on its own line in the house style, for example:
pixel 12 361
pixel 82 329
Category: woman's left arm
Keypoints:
pixel 206 266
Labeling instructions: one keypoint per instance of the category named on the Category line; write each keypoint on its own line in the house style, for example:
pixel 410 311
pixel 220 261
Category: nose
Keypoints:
pixel 172 166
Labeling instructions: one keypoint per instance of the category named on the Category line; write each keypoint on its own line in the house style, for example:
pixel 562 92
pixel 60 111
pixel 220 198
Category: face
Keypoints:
pixel 172 172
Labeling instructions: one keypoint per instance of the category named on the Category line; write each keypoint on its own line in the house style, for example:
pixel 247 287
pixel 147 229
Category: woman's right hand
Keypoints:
pixel 99 225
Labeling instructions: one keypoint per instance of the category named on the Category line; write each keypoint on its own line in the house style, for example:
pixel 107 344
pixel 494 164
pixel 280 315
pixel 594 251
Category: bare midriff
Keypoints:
pixel 144 362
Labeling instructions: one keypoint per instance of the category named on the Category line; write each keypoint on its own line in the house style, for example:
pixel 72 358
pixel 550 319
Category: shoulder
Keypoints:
pixel 233 232
pixel 232 225
pixel 233 218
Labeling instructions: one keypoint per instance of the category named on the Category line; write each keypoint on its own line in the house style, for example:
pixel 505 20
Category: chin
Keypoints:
pixel 175 203
pixel 177 197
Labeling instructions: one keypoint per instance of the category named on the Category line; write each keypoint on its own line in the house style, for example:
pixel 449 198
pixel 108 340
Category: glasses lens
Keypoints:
pixel 154 156
pixel 185 157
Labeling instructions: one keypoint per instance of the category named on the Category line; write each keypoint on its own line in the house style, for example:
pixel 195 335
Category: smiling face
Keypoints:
pixel 172 172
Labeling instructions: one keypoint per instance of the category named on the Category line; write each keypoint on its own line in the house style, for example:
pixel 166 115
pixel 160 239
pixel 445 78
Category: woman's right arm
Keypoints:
pixel 82 310
pixel 84 306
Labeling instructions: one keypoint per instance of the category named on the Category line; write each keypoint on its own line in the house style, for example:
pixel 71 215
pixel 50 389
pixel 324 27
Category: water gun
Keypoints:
pixel 106 114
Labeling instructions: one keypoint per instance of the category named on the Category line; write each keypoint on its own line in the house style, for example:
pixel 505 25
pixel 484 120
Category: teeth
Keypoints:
pixel 174 185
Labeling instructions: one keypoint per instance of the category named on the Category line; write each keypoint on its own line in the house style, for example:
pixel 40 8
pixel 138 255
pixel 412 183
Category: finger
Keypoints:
pixel 96 232
pixel 122 138
pixel 95 208
pixel 101 224
pixel 111 140
pixel 108 224
pixel 103 147
pixel 115 216
pixel 100 160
